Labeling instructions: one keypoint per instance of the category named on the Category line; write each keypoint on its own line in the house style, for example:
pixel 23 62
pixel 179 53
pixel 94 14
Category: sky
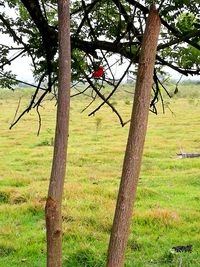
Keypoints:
pixel 22 65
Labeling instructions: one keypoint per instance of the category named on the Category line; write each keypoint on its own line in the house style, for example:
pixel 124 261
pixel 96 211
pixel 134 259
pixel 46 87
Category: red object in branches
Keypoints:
pixel 98 73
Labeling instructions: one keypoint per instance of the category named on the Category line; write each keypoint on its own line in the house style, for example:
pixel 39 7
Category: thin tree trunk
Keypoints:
pixel 135 143
pixel 54 200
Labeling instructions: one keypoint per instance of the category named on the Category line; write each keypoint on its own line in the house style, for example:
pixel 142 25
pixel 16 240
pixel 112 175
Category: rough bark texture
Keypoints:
pixel 54 201
pixel 135 143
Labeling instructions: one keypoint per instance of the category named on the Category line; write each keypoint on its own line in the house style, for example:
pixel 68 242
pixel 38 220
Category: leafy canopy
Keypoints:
pixel 103 33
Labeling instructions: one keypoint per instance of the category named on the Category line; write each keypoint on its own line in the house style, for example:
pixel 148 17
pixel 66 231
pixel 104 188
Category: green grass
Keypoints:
pixel 167 209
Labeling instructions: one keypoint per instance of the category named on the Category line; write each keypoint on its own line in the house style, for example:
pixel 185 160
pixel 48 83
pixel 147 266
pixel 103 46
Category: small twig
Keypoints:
pixel 15 37
pixel 51 6
pixel 40 99
pixel 44 9
pixel 88 6
pixel 173 114
pixel 16 111
pixel 20 81
pixel 39 121
pixel 80 92
pixel 128 92
pixel 153 108
pixel 160 6
pixel 12 48
pixel 73 85
pixel 10 60
pixel 88 105
pixel 155 98
pixel 109 67
pixel 115 88
pixel 44 94
pixel 162 101
pixel 31 102
pixel 20 116
pixel 92 31
pixel 87 10
pixel 176 88
pixel 166 91
pixel 38 88
pixel 103 98
pixel 182 71
pixel 126 122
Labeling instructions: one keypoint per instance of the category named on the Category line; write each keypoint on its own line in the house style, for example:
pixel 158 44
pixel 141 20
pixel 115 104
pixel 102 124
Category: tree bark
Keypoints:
pixel 54 200
pixel 135 143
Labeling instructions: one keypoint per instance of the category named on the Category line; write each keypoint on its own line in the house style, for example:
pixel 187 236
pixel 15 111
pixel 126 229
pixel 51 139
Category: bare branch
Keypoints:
pixel 89 6
pixel 179 40
pixel 12 59
pixel 39 121
pixel 176 88
pixel 15 37
pixel 103 98
pixel 80 92
pixel 30 104
pixel 20 81
pixel 109 96
pixel 179 34
pixel 185 72
pixel 16 111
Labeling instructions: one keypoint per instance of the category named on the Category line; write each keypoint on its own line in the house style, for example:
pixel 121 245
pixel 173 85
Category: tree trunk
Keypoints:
pixel 54 200
pixel 135 143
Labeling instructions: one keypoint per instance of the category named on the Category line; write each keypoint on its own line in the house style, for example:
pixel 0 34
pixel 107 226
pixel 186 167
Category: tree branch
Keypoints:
pixel 163 22
pixel 31 103
pixel 112 92
pixel 12 59
pixel 183 38
pixel 89 47
pixel 182 71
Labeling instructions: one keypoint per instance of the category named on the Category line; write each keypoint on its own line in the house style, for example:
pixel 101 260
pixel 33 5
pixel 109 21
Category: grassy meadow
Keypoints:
pixel 167 210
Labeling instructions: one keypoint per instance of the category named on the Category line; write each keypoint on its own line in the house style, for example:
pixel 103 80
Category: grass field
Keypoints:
pixel 167 210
